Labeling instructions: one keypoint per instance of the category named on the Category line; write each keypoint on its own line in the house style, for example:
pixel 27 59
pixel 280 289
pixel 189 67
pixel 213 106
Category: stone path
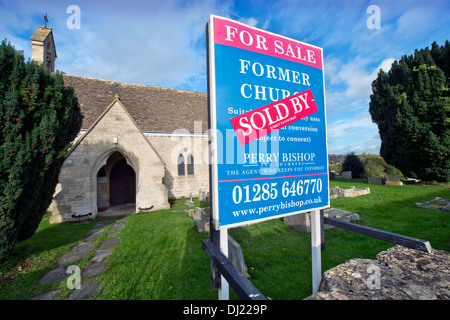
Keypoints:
pixel 96 265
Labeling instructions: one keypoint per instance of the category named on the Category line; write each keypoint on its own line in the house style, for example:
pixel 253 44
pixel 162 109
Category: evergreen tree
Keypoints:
pixel 411 106
pixel 354 164
pixel 39 117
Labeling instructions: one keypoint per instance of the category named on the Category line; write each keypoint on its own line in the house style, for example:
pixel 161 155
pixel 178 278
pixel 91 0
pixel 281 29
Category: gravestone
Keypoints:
pixel 393 180
pixel 201 219
pixel 376 180
pixel 346 175
pixel 236 256
pixel 302 221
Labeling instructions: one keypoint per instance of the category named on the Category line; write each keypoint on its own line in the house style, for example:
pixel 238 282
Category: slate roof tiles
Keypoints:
pixel 154 109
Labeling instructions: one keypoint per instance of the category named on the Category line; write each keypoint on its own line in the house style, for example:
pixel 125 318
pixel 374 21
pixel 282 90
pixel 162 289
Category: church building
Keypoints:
pixel 139 145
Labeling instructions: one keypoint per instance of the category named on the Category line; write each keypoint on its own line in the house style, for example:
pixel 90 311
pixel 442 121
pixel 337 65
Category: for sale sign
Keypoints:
pixel 268 126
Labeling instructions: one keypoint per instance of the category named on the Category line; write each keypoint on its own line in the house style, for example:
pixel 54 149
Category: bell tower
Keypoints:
pixel 43 48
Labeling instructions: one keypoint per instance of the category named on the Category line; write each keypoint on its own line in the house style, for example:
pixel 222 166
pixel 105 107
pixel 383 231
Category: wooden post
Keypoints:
pixel 213 233
pixel 316 250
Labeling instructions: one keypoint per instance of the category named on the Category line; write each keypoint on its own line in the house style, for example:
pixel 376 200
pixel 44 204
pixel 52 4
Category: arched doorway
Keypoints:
pixel 122 185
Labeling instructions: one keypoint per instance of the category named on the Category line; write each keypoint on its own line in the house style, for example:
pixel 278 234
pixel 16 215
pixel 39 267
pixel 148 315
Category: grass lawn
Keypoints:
pixel 160 255
pixel 21 270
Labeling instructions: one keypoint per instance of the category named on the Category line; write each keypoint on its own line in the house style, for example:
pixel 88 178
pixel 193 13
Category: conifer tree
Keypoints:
pixel 354 164
pixel 411 106
pixel 39 117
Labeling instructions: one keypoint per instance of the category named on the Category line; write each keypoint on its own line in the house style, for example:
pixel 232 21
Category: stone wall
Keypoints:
pixel 170 147
pixel 398 273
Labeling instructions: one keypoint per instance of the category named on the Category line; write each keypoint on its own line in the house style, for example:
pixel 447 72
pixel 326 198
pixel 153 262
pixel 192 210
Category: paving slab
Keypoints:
pixel 91 237
pixel 116 227
pixel 84 246
pixel 97 230
pixel 54 276
pixel 46 296
pixel 94 269
pixel 100 254
pixel 119 211
pixel 87 290
pixel 101 224
pixel 72 257
pixel 114 234
pixel 109 243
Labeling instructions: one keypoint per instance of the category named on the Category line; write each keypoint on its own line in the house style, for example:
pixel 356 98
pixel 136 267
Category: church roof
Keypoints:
pixel 154 109
pixel 41 33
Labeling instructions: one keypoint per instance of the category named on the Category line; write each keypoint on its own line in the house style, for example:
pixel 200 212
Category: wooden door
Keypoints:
pixel 122 188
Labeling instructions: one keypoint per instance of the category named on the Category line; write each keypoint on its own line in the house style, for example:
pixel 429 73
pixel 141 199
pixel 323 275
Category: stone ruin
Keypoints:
pixel 437 203
pixel 398 273
pixel 336 192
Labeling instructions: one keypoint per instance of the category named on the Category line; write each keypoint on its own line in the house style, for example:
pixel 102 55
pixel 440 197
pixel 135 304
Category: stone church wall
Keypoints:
pixel 169 148
pixel 76 193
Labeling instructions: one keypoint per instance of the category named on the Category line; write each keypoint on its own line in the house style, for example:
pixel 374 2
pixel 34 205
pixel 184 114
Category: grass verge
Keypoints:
pixel 160 255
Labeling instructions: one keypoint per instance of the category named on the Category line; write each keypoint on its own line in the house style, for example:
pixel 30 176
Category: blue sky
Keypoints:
pixel 162 43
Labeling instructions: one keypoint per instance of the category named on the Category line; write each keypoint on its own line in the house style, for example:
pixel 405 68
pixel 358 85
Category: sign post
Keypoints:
pixel 268 140
pixel 316 250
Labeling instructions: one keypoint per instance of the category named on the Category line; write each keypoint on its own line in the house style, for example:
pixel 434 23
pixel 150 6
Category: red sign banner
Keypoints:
pixel 264 120
pixel 237 35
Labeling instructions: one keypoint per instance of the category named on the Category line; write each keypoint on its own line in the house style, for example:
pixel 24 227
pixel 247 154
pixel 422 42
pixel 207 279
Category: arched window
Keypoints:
pixel 190 165
pixel 181 169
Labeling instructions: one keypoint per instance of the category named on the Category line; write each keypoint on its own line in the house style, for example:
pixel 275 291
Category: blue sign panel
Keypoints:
pixel 268 125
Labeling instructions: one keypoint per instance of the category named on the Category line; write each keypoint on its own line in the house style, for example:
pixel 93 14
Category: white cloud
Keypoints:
pixel 252 22
pixel 153 42
pixel 355 133
pixel 357 78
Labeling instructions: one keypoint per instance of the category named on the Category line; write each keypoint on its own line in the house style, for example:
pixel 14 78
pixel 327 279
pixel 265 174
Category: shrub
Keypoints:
pixel 39 117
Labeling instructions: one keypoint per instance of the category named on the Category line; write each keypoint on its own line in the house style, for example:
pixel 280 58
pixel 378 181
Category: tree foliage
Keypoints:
pixel 354 164
pixel 39 117
pixel 411 106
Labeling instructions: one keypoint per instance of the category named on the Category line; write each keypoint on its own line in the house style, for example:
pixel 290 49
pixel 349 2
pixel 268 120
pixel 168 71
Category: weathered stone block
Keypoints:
pixel 347 175
pixel 236 256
